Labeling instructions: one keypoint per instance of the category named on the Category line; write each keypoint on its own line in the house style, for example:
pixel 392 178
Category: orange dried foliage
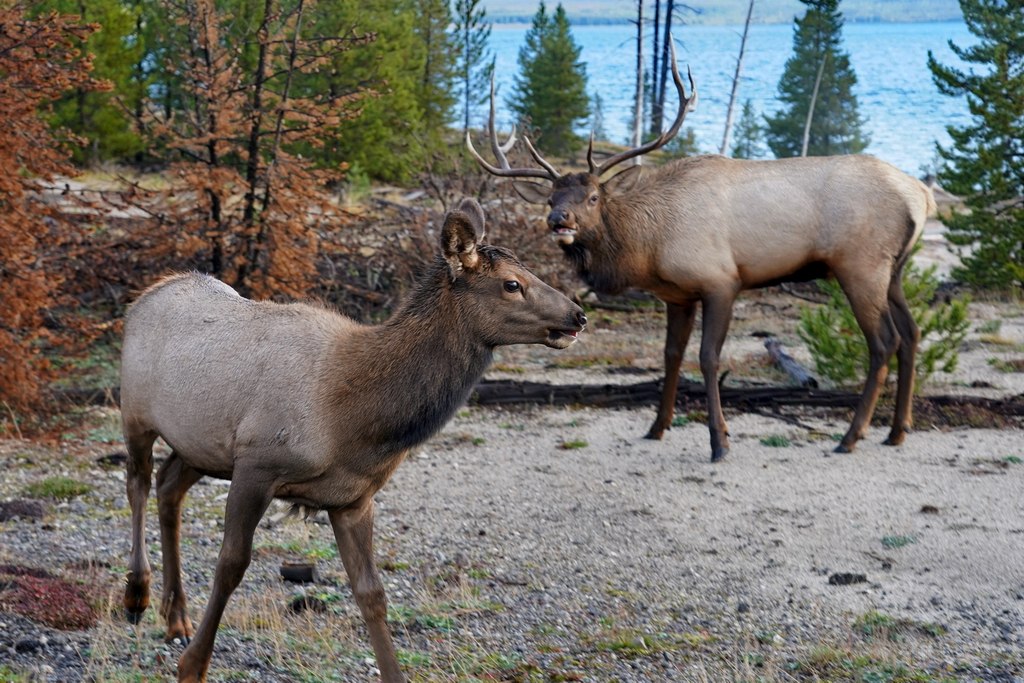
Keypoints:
pixel 245 206
pixel 39 60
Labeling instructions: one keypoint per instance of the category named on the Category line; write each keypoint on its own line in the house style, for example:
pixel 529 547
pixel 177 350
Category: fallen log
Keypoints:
pixel 499 392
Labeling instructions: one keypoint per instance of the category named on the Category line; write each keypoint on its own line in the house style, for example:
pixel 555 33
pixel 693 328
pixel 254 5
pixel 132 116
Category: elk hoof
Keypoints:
pixel 655 434
pixel 718 454
pixel 843 448
pixel 896 438
pixel 182 640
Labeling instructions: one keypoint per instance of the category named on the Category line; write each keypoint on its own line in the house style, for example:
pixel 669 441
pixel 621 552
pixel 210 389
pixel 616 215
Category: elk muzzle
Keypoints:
pixel 563 337
pixel 563 225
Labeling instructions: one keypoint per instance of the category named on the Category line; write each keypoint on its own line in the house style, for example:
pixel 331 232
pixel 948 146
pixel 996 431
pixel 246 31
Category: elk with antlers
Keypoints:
pixel 703 229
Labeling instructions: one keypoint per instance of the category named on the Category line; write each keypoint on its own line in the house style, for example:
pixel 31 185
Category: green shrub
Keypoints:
pixel 837 344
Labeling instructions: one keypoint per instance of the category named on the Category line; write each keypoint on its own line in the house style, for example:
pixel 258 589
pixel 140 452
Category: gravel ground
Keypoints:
pixel 544 544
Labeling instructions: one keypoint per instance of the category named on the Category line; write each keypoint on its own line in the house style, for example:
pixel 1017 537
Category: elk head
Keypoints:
pixel 504 302
pixel 578 200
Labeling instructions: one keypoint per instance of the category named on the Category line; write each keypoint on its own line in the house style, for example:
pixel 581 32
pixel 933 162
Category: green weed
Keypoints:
pixel 892 542
pixel 57 488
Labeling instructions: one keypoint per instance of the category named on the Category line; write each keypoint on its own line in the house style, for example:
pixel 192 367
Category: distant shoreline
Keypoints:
pixel 709 21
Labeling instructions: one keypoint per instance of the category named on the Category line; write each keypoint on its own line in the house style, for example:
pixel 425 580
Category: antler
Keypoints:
pixel 686 104
pixel 549 172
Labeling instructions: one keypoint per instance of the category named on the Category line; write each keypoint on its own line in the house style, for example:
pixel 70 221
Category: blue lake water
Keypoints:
pixel 905 112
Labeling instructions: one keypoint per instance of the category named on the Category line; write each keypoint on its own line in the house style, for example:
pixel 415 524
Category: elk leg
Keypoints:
pixel 248 498
pixel 353 530
pixel 909 336
pixel 139 482
pixel 872 313
pixel 715 317
pixel 173 480
pixel 679 325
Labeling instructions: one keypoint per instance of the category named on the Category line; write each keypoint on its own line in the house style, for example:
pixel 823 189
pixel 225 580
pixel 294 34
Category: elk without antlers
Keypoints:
pixel 702 229
pixel 299 403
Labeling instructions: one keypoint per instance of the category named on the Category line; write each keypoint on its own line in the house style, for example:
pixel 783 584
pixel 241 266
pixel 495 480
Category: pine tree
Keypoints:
pixel 985 163
pixel 818 65
pixel 550 92
pixel 748 136
pixel 94 115
pixel 436 92
pixel 472 34
pixel 383 137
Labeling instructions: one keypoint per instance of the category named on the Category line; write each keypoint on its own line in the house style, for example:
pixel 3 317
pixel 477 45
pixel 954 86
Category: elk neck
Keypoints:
pixel 402 380
pixel 611 258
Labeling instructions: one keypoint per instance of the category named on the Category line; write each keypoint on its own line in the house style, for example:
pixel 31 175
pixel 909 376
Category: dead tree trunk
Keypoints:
pixel 810 110
pixel 638 105
pixel 736 83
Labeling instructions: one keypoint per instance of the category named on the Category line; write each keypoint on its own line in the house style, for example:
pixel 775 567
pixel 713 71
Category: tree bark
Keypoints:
pixel 810 110
pixel 638 105
pixel 658 111
pixel 736 83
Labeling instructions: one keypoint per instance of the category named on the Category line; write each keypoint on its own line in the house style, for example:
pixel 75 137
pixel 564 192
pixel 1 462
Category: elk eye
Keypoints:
pixel 511 286
pixel 594 198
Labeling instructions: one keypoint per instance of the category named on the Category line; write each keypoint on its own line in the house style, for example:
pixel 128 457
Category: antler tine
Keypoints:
pixel 590 156
pixel 507 147
pixel 500 150
pixel 686 105
pixel 551 170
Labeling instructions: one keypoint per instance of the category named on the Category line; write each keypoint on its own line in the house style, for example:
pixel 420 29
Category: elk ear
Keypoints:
pixel 475 213
pixel 459 237
pixel 624 180
pixel 535 193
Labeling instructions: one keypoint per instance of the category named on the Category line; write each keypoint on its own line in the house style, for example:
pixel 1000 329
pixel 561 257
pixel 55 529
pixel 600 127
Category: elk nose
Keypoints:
pixel 581 319
pixel 558 217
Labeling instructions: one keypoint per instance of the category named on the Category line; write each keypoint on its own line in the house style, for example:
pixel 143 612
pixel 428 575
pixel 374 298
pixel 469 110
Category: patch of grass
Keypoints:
pixel 12 676
pixel 510 369
pixel 833 664
pixel 573 444
pixel 431 621
pixel 875 624
pixel 990 327
pixel 1007 364
pixel 893 542
pixel 309 549
pixel 775 441
pixel 467 438
pixel 680 420
pixel 1013 459
pixel 628 643
pixel 996 340
pixel 393 565
pixel 57 488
